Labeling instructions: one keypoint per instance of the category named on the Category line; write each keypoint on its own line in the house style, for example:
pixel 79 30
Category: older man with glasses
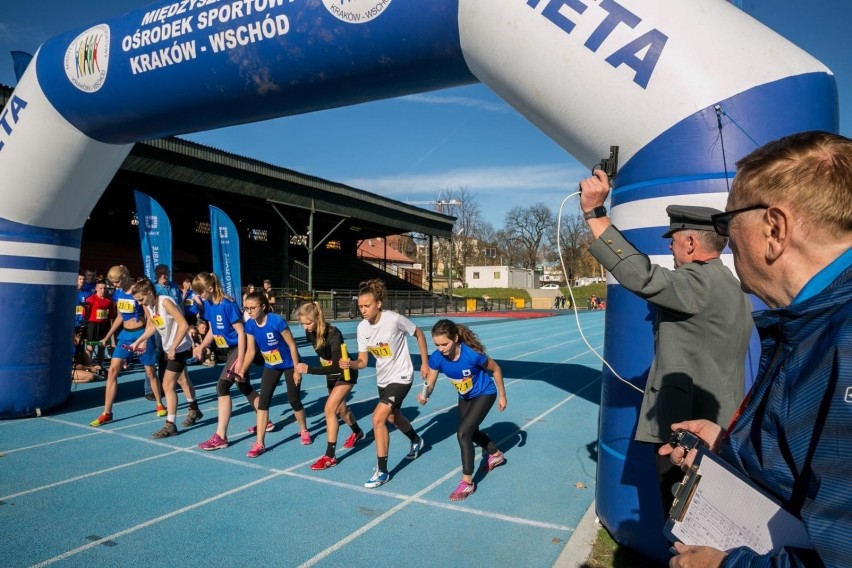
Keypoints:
pixel 789 218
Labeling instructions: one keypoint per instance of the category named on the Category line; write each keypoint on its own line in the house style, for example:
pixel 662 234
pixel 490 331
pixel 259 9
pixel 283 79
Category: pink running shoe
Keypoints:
pixel 324 462
pixel 463 491
pixel 270 426
pixel 353 439
pixel 256 450
pixel 495 460
pixel 306 438
pixel 214 443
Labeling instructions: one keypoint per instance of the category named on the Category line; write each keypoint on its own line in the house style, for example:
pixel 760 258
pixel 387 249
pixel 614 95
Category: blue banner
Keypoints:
pixel 226 253
pixel 155 234
pixel 20 61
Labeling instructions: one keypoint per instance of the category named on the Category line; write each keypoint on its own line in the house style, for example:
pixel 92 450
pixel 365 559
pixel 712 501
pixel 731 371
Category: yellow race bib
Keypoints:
pixel 381 351
pixel 80 311
pixel 126 306
pixel 463 385
pixel 272 357
pixel 158 321
pixel 101 314
pixel 221 342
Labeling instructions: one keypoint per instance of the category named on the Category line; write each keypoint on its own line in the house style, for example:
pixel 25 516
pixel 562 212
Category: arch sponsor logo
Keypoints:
pixel 87 59
pixel 356 11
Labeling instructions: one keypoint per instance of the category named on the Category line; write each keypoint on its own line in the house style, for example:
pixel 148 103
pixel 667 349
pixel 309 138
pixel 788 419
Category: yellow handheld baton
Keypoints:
pixel 344 354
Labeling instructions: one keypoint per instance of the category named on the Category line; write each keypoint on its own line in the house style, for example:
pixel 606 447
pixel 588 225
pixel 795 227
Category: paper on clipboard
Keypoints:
pixel 718 507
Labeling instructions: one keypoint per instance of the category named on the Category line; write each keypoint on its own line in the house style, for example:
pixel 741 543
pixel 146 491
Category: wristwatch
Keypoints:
pixel 599 211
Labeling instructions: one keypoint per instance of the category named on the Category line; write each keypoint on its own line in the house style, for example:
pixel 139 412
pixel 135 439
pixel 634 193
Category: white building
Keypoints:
pixel 498 277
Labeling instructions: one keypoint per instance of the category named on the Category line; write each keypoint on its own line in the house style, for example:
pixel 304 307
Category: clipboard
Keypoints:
pixel 717 506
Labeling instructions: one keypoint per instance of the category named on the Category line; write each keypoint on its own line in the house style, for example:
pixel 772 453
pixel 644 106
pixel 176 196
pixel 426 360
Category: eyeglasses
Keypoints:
pixel 722 221
pixel 251 308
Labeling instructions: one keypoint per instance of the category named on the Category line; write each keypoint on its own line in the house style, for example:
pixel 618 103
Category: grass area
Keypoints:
pixel 606 553
pixel 581 292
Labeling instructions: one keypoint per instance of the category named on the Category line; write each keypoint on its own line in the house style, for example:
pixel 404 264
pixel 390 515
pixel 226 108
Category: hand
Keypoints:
pixel 501 402
pixel 424 369
pixel 297 378
pixel 708 431
pixel 345 363
pixel 420 398
pixel 301 368
pixel 594 191
pixel 171 354
pixel 696 556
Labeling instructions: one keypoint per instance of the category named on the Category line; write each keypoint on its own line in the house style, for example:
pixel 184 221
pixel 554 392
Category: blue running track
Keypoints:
pixel 73 495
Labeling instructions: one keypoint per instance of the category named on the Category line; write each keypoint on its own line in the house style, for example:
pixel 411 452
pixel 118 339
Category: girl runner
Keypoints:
pixel 131 319
pixel 166 318
pixel 327 341
pixel 269 333
pixel 382 333
pixel 225 328
pixel 461 356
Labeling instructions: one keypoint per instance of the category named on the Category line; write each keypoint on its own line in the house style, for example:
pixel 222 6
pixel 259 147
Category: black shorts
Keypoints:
pixel 332 381
pixel 178 364
pixel 394 394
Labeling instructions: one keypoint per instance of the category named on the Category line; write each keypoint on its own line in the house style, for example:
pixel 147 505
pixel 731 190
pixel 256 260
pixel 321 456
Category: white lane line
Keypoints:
pixel 156 520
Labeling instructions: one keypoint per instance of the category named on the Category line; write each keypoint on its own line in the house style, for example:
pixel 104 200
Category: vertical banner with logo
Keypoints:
pixel 226 253
pixel 155 234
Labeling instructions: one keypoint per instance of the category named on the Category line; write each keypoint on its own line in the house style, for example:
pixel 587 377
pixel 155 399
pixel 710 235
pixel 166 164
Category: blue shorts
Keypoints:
pixel 149 357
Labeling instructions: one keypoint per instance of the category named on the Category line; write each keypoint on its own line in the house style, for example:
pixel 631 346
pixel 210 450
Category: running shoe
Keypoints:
pixel 161 410
pixel 192 417
pixel 353 439
pixel 168 430
pixel 215 442
pixel 379 478
pixel 494 460
pixel 150 396
pixel 256 450
pixel 306 438
pixel 324 462
pixel 416 448
pixel 102 419
pixel 270 426
pixel 463 491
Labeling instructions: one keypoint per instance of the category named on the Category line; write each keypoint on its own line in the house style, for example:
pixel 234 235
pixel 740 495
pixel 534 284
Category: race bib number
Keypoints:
pixel 326 362
pixel 126 306
pixel 158 321
pixel 80 311
pixel 381 351
pixel 188 302
pixel 220 341
pixel 101 314
pixel 272 357
pixel 464 385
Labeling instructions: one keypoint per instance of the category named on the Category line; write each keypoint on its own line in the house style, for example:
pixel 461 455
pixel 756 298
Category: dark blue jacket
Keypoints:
pixel 794 437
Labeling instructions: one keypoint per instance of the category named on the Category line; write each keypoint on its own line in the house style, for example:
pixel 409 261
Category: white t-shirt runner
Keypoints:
pixel 166 325
pixel 387 342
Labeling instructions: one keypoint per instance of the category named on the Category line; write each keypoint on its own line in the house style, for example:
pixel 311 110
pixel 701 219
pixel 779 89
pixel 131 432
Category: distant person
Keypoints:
pixel 100 311
pixel 702 320
pixel 80 307
pixel 249 290
pixel 478 381
pixel 486 303
pixel 328 343
pixel 789 218
pixel 270 293
pixel 382 333
pixel 190 301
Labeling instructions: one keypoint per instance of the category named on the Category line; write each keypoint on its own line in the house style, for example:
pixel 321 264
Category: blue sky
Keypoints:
pixel 413 147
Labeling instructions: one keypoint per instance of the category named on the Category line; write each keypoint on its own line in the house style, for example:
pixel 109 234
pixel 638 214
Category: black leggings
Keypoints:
pixel 270 379
pixel 471 414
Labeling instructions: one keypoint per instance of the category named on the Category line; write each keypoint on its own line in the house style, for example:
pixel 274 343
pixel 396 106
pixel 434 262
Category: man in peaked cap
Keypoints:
pixel 702 326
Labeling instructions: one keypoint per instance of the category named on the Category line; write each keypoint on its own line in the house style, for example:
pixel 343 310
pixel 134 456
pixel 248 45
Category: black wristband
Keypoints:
pixel 599 211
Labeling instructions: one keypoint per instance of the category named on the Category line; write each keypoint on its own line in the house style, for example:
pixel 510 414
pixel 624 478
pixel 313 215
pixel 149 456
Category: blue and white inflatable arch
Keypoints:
pixel 651 76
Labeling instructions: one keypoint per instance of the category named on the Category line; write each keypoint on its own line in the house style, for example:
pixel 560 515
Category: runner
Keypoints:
pixel 165 317
pixel 382 333
pixel 131 319
pixel 269 333
pixel 225 328
pixel 328 343
pixel 461 356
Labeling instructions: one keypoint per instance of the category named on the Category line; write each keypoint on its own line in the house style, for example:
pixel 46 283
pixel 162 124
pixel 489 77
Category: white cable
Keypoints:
pixel 574 301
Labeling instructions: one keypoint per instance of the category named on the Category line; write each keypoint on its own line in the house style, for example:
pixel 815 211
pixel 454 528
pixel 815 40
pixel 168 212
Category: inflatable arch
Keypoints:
pixel 683 88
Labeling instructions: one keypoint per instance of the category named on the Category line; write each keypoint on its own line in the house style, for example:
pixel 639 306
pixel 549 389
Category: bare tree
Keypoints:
pixel 464 206
pixel 529 227
pixel 574 239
